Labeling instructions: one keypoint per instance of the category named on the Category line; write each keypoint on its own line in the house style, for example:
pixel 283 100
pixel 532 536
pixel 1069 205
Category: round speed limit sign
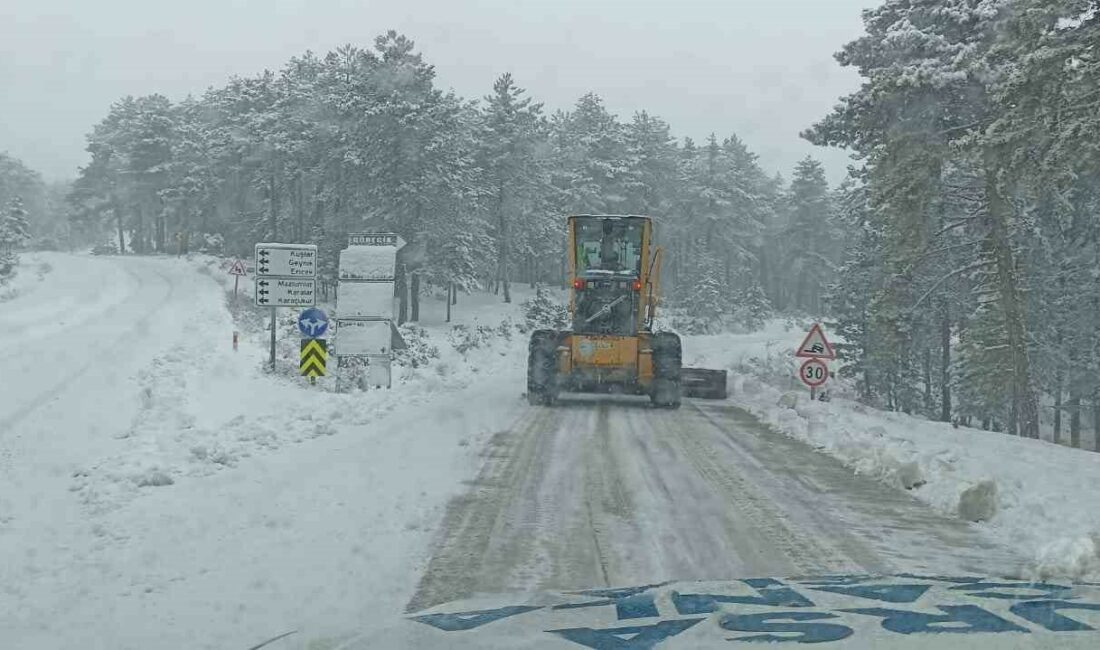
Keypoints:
pixel 814 373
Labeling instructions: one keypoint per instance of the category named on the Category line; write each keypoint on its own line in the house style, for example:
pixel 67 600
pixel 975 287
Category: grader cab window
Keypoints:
pixel 609 245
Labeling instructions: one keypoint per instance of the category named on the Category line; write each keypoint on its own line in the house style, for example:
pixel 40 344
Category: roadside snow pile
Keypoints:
pixel 27 275
pixel 1032 495
pixel 205 408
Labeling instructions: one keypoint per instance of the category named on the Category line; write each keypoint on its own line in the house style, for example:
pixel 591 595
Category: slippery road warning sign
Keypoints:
pixel 313 358
pixel 237 268
pixel 815 345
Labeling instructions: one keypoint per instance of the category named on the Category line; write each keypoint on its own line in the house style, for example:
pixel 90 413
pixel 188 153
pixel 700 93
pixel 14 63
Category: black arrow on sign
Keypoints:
pixel 263 269
pixel 264 292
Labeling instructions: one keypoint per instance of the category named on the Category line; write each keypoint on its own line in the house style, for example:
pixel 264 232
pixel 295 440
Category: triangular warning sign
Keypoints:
pixel 816 346
pixel 237 268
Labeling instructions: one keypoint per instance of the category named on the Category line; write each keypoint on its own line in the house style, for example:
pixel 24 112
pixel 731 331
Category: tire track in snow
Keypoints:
pixel 96 358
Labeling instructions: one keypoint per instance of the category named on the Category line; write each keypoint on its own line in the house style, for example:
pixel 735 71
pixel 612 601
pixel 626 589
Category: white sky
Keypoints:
pixel 762 69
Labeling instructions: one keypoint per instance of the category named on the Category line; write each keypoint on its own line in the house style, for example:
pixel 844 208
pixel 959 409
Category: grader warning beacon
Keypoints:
pixel 612 347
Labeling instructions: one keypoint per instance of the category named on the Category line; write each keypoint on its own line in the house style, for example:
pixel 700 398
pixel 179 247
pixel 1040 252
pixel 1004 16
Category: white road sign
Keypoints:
pixel 368 263
pixel 363 337
pixel 375 239
pixel 364 300
pixel 286 260
pixel 286 292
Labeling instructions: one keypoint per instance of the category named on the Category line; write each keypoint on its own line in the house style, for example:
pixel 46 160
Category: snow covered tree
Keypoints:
pixel 14 228
pixel 516 182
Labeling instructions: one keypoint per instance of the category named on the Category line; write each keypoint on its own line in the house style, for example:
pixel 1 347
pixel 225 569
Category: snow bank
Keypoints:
pixel 29 273
pixel 1035 496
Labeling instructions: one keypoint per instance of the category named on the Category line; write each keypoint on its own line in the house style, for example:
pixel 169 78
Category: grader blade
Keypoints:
pixel 703 383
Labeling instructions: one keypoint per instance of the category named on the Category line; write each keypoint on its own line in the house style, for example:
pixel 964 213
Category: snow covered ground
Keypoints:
pixel 159 490
pixel 1042 497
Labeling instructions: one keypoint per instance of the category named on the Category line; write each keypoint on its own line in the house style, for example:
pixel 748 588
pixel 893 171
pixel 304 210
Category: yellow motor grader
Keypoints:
pixel 611 347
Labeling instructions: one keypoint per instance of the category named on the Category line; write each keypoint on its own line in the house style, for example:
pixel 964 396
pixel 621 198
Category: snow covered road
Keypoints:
pixel 600 493
pixel 158 490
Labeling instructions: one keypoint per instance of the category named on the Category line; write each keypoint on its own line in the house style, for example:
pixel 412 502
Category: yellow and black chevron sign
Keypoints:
pixel 313 357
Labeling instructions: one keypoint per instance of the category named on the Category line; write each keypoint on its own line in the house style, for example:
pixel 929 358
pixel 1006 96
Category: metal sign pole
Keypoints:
pixel 273 310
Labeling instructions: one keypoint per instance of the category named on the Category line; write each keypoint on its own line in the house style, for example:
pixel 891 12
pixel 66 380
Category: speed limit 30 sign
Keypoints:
pixel 814 373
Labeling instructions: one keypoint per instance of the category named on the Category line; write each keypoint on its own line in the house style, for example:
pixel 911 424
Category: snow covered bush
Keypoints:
pixel 464 338
pixel 419 350
pixel 542 311
pixel 211 244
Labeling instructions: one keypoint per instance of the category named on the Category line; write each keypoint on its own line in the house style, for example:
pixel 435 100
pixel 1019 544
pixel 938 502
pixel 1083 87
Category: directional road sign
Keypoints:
pixel 375 239
pixel 313 358
pixel 285 292
pixel 815 345
pixel 286 260
pixel 312 323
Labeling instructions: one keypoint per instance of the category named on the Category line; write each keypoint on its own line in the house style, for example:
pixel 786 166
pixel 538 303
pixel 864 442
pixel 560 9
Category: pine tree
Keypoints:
pixel 14 229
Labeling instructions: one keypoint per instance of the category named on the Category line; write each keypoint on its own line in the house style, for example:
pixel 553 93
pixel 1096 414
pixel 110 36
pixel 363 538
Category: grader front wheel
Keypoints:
pixel 542 367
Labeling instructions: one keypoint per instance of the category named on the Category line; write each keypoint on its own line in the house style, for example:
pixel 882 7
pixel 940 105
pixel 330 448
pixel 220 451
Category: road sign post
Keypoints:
pixel 286 276
pixel 815 349
pixel 365 335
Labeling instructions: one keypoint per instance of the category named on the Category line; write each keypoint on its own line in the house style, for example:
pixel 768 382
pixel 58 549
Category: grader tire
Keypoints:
pixel 666 370
pixel 542 367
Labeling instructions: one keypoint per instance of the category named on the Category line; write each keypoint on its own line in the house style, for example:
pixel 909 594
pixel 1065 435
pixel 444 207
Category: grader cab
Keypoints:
pixel 611 346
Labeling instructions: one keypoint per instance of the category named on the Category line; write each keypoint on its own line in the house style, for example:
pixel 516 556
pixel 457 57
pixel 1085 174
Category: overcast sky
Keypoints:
pixel 760 68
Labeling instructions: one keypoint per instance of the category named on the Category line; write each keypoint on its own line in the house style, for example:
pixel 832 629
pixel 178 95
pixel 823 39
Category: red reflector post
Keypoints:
pixel 637 286
pixel 579 284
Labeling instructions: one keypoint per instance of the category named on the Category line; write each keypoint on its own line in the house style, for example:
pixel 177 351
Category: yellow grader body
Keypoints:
pixel 611 346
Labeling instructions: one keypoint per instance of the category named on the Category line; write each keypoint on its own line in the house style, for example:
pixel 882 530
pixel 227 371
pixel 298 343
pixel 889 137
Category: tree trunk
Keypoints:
pixel 273 210
pixel 415 297
pixel 1058 381
pixel 450 290
pixel 121 230
pixel 945 363
pixel 927 363
pixel 1074 406
pixel 454 294
pixel 402 295
pixel 502 263
pixel 1025 407
pixel 1095 422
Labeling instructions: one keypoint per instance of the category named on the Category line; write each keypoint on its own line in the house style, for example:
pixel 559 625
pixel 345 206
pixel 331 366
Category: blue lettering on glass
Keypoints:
pixel 1045 613
pixel 807 632
pixel 772 594
pixel 470 620
pixel 956 580
pixel 959 619
pixel 630 602
pixel 643 637
pixel 885 593
pixel 981 590
pixel 836 580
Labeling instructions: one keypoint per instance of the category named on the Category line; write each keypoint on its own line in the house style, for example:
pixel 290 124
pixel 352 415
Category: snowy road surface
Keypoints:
pixel 599 493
